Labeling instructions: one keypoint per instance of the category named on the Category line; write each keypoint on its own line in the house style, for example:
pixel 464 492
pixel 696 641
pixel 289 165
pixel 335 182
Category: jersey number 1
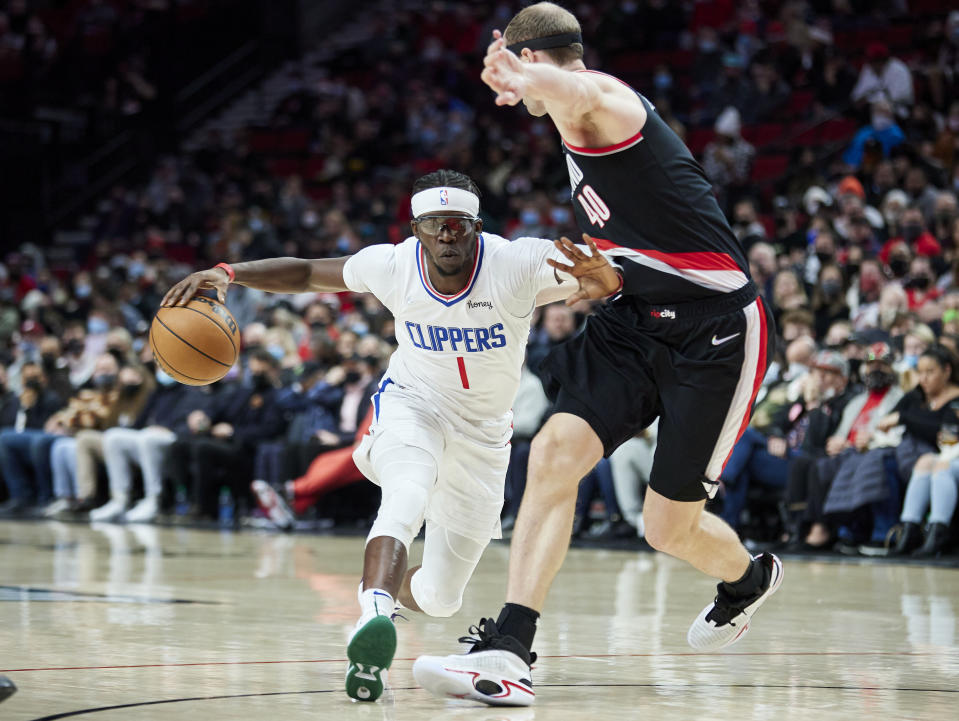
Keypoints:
pixel 461 364
pixel 596 209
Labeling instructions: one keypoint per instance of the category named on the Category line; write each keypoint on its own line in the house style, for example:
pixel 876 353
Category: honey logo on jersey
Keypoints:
pixel 471 304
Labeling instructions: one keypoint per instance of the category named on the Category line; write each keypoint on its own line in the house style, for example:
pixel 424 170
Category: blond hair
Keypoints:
pixel 542 20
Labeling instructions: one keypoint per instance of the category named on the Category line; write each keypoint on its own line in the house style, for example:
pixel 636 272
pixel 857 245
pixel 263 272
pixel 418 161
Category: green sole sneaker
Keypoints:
pixel 370 653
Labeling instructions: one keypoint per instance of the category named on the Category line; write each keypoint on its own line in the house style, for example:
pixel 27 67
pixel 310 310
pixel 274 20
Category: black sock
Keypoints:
pixel 519 622
pixel 751 582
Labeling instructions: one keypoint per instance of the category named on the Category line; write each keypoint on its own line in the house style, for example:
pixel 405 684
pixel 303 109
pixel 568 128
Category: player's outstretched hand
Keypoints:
pixel 597 278
pixel 213 279
pixel 503 72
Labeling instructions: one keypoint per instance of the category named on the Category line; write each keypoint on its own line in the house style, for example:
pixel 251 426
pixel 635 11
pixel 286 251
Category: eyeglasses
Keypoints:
pixel 434 224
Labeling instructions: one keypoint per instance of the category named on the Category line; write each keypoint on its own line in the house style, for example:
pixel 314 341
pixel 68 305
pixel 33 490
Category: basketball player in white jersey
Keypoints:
pixel 439 443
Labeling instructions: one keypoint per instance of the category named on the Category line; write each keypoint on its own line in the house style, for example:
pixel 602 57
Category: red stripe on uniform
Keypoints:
pixel 462 366
pixel 760 374
pixel 607 149
pixel 680 261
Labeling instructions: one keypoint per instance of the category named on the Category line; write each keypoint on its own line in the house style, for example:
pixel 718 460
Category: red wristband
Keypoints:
pixel 230 272
pixel 619 288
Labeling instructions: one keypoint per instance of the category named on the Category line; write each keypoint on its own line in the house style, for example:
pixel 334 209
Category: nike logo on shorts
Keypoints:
pixel 720 341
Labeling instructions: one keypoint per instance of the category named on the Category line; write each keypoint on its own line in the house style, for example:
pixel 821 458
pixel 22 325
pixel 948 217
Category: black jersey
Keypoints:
pixel 647 201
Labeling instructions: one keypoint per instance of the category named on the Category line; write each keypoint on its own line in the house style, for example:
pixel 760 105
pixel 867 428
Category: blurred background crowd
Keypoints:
pixel 829 129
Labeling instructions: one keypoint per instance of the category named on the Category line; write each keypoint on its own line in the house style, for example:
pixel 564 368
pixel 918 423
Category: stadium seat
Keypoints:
pixel 769 167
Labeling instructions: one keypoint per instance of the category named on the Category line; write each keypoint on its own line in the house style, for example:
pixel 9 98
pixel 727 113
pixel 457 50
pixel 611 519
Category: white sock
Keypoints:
pixel 375 602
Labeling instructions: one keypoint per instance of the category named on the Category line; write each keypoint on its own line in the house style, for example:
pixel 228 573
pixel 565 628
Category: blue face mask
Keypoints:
pixel 82 291
pixel 276 351
pixel 663 81
pixel 163 379
pixel 529 217
pixel 96 326
pixel 911 361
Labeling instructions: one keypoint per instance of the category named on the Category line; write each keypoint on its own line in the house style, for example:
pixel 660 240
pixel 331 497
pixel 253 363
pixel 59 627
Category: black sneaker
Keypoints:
pixel 495 671
pixel 726 619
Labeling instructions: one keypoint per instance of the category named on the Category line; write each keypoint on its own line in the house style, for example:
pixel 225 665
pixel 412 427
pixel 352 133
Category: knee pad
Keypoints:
pixel 407 475
pixel 425 588
pixel 449 560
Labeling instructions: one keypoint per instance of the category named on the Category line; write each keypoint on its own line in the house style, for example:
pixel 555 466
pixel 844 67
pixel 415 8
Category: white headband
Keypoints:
pixel 434 200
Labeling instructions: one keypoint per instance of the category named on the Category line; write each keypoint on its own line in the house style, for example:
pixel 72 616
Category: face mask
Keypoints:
pixel 128 390
pixel 318 324
pixel 920 282
pixel 852 269
pixel 911 231
pixel 82 291
pixel 707 46
pixel 74 346
pixel 911 361
pixel 829 394
pixel 560 216
pixel 663 81
pixel 881 122
pixel 823 257
pixel 877 380
pixel 899 267
pixel 370 360
pixel 104 381
pixel 352 377
pixel 163 379
pixel 48 361
pixel 96 326
pixel 831 288
pixel 261 381
pixel 529 217
pixel 33 384
pixel 276 351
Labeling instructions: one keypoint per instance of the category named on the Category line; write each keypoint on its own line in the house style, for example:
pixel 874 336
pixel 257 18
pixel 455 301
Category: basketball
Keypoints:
pixel 197 343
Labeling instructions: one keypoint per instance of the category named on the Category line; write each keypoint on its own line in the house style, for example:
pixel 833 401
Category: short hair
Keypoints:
pixel 446 178
pixel 799 316
pixel 542 20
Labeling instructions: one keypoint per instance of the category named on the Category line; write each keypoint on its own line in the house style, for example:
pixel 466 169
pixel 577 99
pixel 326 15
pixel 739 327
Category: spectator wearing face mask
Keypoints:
pixel 828 300
pixel 854 435
pixel 219 448
pixel 134 386
pixel 893 204
pixel 94 407
pixel 921 290
pixel 728 159
pixel 145 445
pixel 915 342
pixel 946 213
pixel 882 129
pixel 24 446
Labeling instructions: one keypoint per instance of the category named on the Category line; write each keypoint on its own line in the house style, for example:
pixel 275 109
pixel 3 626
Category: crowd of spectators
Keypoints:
pixel 853 246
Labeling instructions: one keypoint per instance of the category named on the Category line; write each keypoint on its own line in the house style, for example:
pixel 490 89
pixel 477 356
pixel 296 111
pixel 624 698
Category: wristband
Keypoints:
pixel 230 272
pixel 619 288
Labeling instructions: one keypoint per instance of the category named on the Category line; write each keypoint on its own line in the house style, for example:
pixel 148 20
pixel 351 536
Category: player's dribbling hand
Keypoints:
pixel 503 72
pixel 596 277
pixel 213 279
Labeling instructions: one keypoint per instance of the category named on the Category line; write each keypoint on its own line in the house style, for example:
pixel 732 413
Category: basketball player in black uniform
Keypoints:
pixel 686 340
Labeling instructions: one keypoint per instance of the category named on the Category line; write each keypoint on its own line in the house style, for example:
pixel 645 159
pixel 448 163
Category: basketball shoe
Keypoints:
pixel 370 652
pixel 7 688
pixel 496 670
pixel 726 619
pixel 273 505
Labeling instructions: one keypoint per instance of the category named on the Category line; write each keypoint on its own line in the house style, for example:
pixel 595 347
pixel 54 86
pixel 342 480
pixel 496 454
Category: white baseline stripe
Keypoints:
pixel 740 403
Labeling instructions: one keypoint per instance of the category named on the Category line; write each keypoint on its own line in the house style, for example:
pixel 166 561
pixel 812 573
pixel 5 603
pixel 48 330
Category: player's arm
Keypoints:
pixel 574 100
pixel 274 275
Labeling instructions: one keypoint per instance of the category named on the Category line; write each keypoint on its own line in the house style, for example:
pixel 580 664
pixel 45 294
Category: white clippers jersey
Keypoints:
pixel 463 352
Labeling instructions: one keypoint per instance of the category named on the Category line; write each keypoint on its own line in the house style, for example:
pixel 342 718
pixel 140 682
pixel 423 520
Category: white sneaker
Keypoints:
pixel 143 512
pixel 726 619
pixel 273 505
pixel 55 508
pixel 497 671
pixel 110 511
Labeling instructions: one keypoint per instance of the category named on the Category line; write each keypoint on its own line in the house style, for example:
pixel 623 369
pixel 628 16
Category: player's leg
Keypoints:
pixel 567 446
pixel 706 407
pixel 406 474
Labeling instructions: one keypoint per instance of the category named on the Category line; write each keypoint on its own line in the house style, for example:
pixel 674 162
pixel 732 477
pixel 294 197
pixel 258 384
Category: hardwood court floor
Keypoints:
pixel 112 622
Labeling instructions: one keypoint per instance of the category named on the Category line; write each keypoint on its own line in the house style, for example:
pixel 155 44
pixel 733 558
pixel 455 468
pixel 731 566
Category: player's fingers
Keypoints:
pixel 563 248
pixel 188 292
pixel 221 294
pixel 577 297
pixel 561 266
pixel 591 243
pixel 574 252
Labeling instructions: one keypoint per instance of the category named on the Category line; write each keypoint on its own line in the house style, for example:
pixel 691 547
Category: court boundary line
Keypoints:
pixel 82 712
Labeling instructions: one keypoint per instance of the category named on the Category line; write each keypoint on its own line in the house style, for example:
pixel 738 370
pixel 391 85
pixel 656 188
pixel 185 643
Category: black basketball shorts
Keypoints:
pixel 695 366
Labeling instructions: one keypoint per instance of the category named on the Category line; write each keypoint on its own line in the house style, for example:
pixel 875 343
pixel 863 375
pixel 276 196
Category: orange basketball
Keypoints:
pixel 196 343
